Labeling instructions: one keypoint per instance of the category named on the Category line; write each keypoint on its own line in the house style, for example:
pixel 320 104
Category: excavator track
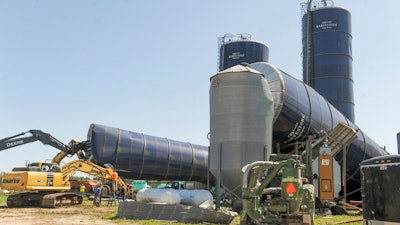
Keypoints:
pixel 61 199
pixel 37 199
pixel 25 199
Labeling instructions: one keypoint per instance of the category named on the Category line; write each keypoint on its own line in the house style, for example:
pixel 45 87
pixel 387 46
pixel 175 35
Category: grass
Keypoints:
pixel 3 198
pixel 110 214
pixel 337 219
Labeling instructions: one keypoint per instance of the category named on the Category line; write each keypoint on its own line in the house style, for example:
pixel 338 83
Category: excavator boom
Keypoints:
pixel 69 169
pixel 36 135
pixel 74 146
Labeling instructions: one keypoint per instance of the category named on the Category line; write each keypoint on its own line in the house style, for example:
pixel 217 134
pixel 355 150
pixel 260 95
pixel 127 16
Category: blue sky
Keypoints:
pixel 144 66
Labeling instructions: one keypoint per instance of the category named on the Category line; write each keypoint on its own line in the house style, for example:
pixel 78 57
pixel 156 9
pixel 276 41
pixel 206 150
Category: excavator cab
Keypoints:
pixel 39 167
pixel 45 166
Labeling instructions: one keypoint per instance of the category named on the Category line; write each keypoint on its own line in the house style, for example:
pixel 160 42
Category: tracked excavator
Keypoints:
pixel 46 184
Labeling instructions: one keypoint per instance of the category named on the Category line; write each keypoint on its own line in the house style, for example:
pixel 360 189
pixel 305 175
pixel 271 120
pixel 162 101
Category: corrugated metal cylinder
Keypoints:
pixel 327 56
pixel 235 50
pixel 140 156
pixel 301 111
pixel 241 115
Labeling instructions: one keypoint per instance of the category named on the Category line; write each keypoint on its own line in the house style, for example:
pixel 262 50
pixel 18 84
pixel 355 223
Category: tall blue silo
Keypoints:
pixel 235 49
pixel 327 54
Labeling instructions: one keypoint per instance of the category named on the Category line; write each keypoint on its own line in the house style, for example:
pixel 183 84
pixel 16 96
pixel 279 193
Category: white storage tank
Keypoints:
pixel 198 198
pixel 154 195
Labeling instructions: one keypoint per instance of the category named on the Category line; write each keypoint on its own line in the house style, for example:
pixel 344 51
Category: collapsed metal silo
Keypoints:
pixel 241 115
pixel 301 111
pixel 327 54
pixel 139 156
pixel 237 48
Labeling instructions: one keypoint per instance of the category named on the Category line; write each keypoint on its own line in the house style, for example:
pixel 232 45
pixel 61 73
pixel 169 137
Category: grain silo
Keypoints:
pixel 238 48
pixel 327 53
pixel 241 116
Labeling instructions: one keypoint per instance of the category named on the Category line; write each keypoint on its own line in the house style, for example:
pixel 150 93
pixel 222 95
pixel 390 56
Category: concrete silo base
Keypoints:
pixel 180 213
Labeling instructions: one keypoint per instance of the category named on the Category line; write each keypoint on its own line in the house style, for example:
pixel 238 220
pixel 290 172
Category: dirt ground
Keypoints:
pixel 82 214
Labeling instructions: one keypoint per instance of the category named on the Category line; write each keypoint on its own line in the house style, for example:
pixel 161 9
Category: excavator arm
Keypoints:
pixel 74 147
pixel 69 169
pixel 36 135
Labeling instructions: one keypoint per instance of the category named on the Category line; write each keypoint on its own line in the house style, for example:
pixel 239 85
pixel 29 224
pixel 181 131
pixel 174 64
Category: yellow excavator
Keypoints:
pixel 46 184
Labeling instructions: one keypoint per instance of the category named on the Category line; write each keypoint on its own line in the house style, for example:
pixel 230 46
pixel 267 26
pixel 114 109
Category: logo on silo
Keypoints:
pixel 297 131
pixel 326 25
pixel 236 55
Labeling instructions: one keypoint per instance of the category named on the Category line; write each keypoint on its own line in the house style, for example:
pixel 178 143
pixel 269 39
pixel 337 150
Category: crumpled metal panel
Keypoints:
pixel 140 156
pixel 165 212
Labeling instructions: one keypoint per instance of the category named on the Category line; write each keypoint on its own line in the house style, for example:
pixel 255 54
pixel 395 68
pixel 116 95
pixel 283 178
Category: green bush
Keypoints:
pixel 3 199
